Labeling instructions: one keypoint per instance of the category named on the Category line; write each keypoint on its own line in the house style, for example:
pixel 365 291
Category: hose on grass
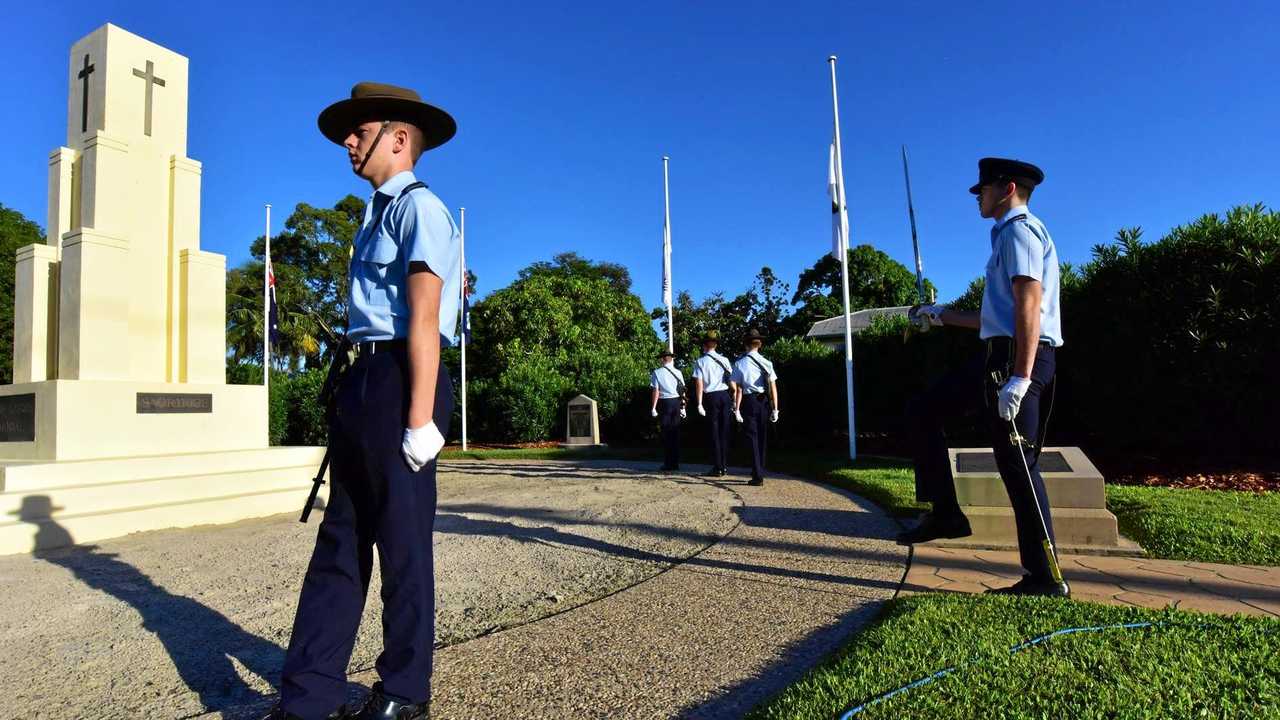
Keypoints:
pixel 1013 650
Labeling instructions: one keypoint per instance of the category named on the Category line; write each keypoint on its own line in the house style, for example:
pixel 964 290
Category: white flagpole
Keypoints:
pixel 462 336
pixel 844 266
pixel 666 256
pixel 266 307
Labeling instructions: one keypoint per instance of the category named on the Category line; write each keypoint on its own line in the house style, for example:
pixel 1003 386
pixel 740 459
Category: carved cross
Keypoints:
pixel 84 105
pixel 150 77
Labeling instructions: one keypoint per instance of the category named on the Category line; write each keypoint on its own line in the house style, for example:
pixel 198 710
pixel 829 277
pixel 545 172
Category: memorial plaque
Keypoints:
pixel 18 418
pixel 580 421
pixel 985 462
pixel 172 403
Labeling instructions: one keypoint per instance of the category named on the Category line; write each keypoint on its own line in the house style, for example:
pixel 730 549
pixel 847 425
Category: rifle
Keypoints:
pixel 339 363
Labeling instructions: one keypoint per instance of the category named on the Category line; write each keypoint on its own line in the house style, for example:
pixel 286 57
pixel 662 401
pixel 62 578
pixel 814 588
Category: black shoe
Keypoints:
pixel 1035 587
pixel 756 481
pixel 278 713
pixel 722 472
pixel 377 706
pixel 713 472
pixel 934 526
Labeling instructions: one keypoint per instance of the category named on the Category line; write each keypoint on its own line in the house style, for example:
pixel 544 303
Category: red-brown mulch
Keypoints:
pixel 1245 481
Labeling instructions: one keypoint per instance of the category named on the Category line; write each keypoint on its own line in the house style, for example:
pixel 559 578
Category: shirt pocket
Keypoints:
pixel 376 269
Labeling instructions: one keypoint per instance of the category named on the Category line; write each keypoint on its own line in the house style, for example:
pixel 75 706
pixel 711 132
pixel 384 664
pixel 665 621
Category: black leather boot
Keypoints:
pixel 378 706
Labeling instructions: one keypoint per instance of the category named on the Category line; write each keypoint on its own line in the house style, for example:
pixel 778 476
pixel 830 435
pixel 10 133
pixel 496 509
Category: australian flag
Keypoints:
pixel 466 309
pixel 273 315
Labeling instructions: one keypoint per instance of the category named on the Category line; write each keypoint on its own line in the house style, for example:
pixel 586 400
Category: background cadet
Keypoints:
pixel 757 390
pixel 1020 320
pixel 668 406
pixel 393 408
pixel 714 393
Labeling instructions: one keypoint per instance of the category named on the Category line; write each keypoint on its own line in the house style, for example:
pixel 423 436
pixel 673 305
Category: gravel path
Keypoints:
pixel 191 623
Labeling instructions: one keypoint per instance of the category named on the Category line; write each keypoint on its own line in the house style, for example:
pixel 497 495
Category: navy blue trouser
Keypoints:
pixel 375 500
pixel 669 424
pixel 755 425
pixel 719 421
pixel 970 388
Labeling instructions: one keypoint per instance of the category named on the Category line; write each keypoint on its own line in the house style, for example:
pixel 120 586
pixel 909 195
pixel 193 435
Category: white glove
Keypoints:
pixel 701 411
pixel 1011 396
pixel 683 413
pixel 926 316
pixel 653 412
pixel 774 416
pixel 737 415
pixel 421 445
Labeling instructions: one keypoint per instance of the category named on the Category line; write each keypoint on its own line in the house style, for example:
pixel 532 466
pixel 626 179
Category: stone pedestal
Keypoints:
pixel 1077 496
pixel 582 423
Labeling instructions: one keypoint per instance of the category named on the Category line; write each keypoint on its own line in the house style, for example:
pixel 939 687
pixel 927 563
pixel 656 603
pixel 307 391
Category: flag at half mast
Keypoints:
pixel 666 264
pixel 839 211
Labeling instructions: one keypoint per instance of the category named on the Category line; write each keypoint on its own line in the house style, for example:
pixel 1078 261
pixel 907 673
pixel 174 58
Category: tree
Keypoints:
pixel 875 280
pixel 763 306
pixel 563 327
pixel 310 260
pixel 16 231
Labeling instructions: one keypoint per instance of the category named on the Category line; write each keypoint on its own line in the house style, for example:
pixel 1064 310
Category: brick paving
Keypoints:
pixel 1144 582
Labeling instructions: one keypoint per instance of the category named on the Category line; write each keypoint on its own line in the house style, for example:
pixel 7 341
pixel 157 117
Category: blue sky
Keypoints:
pixel 1145 114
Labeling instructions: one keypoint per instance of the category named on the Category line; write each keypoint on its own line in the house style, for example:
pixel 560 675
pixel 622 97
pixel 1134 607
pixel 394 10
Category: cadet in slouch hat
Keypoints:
pixel 392 413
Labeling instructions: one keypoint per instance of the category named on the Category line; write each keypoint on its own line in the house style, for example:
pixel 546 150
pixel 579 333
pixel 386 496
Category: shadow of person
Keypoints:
pixel 200 641
pixel 38 510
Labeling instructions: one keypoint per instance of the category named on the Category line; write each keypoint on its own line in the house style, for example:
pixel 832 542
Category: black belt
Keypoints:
pixel 1006 340
pixel 373 347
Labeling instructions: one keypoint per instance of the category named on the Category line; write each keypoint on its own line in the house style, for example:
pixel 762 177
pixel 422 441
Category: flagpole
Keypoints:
pixel 266 306
pixel 915 242
pixel 462 306
pixel 666 241
pixel 844 267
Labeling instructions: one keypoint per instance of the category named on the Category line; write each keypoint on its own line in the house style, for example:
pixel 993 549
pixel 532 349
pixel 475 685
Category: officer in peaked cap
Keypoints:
pixel 667 382
pixel 1021 325
pixel 392 413
pixel 713 390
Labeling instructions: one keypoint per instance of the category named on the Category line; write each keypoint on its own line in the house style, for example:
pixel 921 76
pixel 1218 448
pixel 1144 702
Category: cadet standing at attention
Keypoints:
pixel 756 391
pixel 1021 324
pixel 713 390
pixel 392 411
pixel 668 406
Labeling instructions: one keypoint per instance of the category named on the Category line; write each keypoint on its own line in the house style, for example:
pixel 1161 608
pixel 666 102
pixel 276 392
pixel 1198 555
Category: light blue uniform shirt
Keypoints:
pixel 664 378
pixel 1020 246
pixel 412 227
pixel 748 375
pixel 713 369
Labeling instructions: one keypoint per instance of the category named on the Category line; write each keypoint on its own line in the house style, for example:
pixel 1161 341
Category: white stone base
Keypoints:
pixel 82 419
pixel 1077 498
pixel 47 505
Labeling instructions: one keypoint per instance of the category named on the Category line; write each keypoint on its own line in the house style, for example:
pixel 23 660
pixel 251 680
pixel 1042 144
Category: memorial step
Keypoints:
pixel 72 508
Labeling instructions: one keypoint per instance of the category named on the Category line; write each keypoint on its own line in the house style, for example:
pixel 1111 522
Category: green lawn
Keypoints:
pixel 1178 524
pixel 1194 666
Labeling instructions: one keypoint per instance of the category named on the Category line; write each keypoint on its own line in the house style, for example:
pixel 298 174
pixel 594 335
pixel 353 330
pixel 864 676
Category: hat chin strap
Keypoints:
pixel 374 146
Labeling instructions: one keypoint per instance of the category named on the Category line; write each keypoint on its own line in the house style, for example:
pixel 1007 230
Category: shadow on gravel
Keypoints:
pixel 450 522
pixel 200 641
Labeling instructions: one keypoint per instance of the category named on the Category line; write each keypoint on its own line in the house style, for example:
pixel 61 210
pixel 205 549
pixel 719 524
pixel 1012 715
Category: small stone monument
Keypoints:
pixel 1077 496
pixel 583 423
pixel 119 353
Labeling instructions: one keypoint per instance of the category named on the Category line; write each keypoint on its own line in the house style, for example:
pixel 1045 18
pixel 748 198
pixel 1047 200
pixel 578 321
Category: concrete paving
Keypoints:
pixel 1204 587
pixel 564 590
